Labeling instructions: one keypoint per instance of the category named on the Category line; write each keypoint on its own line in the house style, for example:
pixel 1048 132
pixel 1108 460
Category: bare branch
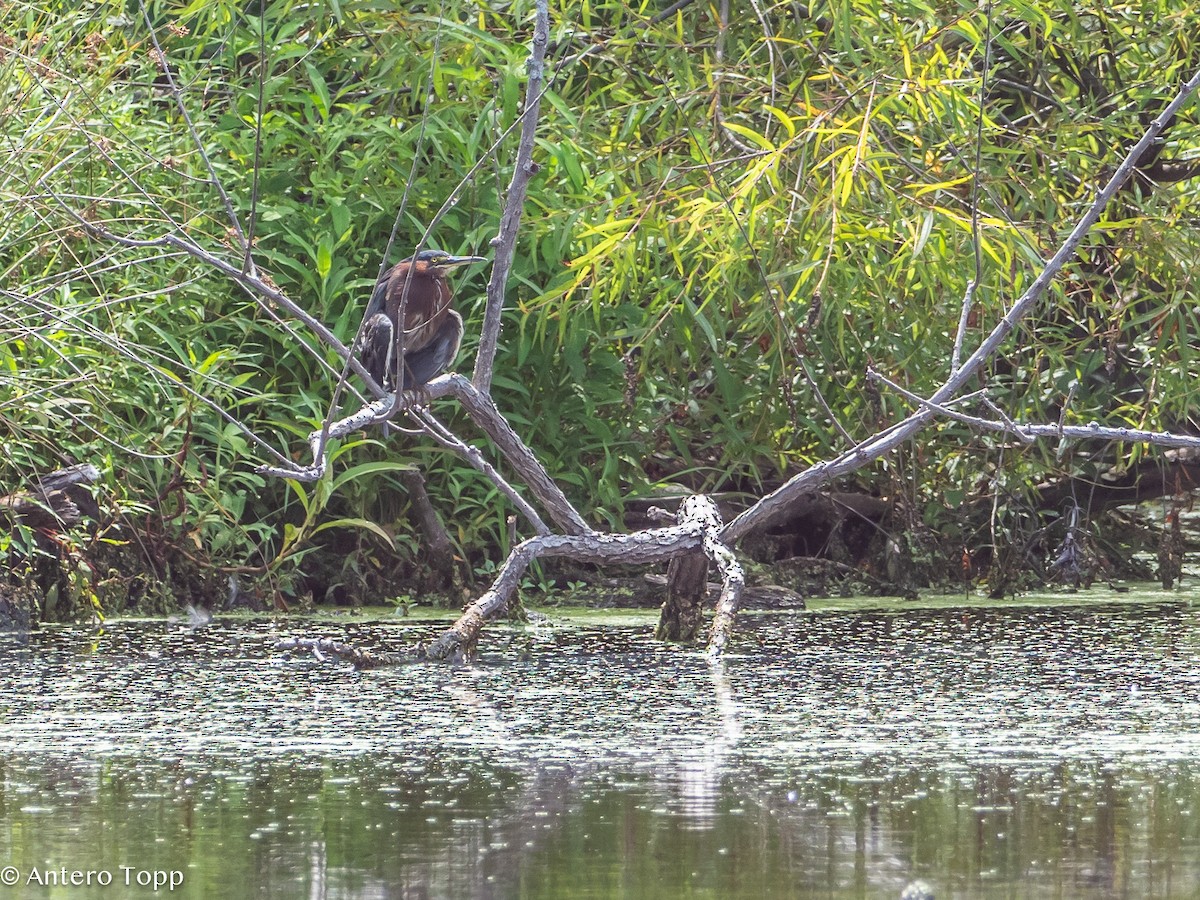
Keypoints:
pixel 775 504
pixel 640 548
pixel 249 280
pixel 165 67
pixel 248 258
pixel 1027 433
pixel 949 413
pixel 487 417
pixel 510 221
pixel 964 318
pixel 483 413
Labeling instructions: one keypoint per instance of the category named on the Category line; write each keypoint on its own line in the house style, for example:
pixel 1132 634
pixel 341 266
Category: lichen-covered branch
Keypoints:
pixel 733 580
pixel 640 548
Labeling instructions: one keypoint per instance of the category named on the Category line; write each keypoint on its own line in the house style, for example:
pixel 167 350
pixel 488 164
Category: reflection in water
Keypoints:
pixel 989 752
pixel 696 780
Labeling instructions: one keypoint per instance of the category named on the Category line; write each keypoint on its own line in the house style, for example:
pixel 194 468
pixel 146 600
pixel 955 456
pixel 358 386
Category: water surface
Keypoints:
pixel 1022 751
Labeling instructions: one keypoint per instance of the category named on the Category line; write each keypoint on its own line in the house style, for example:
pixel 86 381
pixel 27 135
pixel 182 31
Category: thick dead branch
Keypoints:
pixel 683 610
pixel 964 317
pixel 510 220
pixel 698 529
pixel 656 545
pixel 486 416
pixel 452 442
pixel 776 504
pixel 55 501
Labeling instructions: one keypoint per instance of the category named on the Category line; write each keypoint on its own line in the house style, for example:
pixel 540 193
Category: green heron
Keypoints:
pixel 432 330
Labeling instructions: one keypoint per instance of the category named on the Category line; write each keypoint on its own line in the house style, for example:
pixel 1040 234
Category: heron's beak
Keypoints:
pixel 451 261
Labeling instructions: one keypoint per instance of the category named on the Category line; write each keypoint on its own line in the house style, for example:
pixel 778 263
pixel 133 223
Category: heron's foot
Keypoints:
pixel 418 398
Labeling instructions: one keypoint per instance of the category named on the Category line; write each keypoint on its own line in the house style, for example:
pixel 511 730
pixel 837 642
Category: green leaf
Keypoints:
pixel 362 524
pixel 324 257
pixel 369 468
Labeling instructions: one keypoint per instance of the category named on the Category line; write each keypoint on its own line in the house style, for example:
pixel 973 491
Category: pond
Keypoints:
pixel 1022 750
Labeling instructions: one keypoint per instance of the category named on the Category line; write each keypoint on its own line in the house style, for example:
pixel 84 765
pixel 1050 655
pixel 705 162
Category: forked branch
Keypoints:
pixel 698 525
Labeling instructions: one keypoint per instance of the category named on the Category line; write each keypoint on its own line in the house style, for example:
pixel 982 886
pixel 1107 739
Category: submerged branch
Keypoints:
pixel 698 528
pixel 360 659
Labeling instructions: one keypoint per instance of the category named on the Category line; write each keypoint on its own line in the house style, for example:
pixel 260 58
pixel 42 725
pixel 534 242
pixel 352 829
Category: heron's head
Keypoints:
pixel 435 262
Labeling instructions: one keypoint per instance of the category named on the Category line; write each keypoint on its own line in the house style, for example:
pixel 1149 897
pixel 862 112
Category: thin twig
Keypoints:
pixel 247 259
pixel 165 67
pixel 483 412
pixel 950 413
pixel 964 316
pixel 444 436
pixel 113 344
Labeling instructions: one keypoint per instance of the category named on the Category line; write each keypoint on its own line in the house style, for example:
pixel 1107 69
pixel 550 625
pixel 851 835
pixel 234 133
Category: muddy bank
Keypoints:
pixel 836 545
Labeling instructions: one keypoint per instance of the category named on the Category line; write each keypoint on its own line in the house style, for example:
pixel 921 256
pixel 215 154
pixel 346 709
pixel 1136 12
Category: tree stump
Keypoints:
pixel 687 588
pixel 687 574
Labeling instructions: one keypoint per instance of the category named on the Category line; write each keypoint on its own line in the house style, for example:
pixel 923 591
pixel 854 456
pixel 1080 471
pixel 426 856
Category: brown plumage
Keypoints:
pixel 432 328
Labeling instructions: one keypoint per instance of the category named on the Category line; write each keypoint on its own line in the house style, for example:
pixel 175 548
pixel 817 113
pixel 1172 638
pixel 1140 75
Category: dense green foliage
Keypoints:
pixel 723 219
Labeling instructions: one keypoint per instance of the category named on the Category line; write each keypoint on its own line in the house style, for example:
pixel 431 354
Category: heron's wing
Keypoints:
pixel 379 333
pixel 423 315
pixel 379 344
pixel 430 361
pixel 378 301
